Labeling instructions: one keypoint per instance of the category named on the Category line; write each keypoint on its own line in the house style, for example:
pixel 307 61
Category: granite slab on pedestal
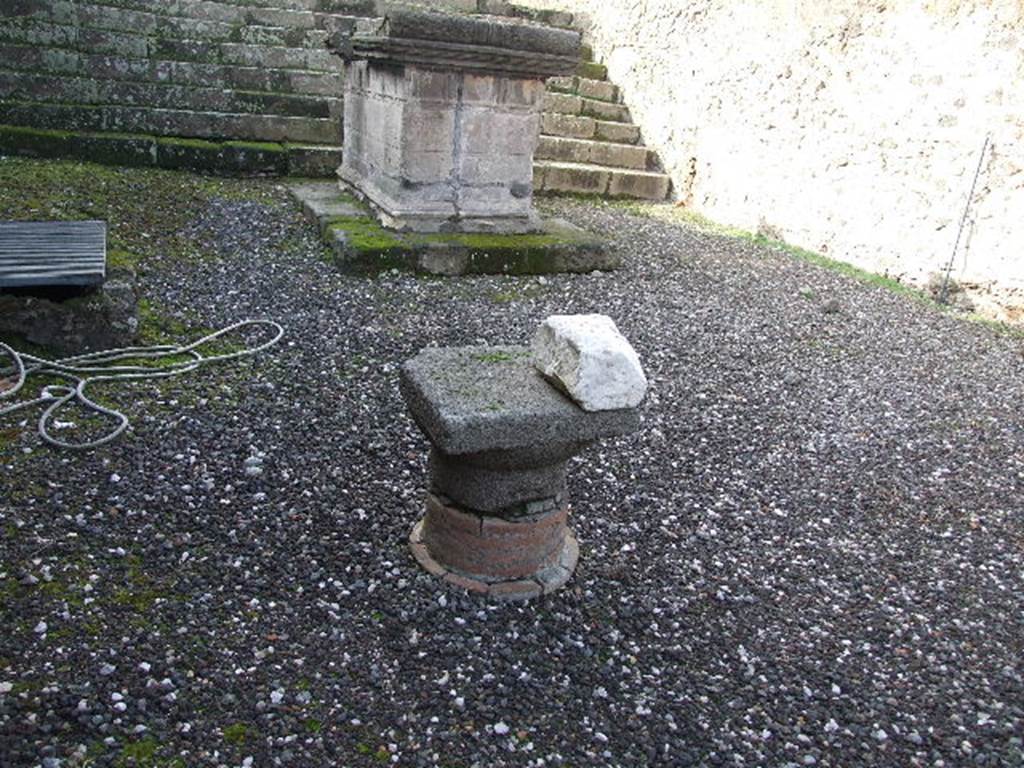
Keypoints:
pixel 361 245
pixel 489 398
pixel 500 433
pixel 496 518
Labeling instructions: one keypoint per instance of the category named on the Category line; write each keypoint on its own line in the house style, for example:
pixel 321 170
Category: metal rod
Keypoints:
pixel 963 221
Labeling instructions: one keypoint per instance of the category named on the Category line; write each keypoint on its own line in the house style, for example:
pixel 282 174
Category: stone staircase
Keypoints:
pixel 589 144
pixel 249 86
pixel 221 85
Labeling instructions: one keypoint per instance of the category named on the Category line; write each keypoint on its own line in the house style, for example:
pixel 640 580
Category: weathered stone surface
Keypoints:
pixel 556 576
pixel 93 90
pixel 550 16
pixel 473 400
pixel 565 84
pixel 171 122
pixel 498 481
pixel 322 201
pixel 563 150
pixel 587 358
pixel 623 133
pixel 574 177
pixel 188 73
pixel 227 157
pixel 586 178
pixel 642 184
pixel 601 90
pixel 422 554
pixel 480 31
pixel 496 7
pixel 602 110
pixel 463 42
pixel 442 151
pixel 467 583
pixel 69 322
pixel 313 161
pixel 564 103
pixel 570 150
pixel 620 155
pixel 553 124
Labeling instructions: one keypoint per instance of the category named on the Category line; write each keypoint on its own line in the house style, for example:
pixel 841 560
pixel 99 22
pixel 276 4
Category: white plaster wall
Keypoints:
pixel 848 127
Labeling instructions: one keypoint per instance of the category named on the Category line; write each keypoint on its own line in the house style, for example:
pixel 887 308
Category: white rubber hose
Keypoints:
pixel 82 370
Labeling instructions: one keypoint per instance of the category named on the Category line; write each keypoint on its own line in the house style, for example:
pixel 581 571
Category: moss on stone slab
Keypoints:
pixel 362 243
pixel 21 130
pixel 257 146
pixel 592 70
pixel 499 356
pixel 188 143
pixel 506 243
pixel 44 142
pixel 234 157
pixel 364 234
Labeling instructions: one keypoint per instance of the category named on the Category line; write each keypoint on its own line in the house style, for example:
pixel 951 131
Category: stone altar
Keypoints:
pixel 441 118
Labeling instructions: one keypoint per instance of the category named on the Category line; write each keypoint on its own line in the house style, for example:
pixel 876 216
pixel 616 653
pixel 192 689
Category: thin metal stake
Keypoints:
pixel 963 221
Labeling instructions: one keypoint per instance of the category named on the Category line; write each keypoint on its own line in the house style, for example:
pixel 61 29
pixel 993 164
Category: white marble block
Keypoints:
pixel 587 358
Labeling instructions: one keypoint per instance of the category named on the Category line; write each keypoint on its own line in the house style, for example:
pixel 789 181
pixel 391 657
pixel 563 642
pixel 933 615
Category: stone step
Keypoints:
pixel 570 104
pixel 66 37
pixel 577 127
pixel 170 122
pixel 230 10
pixel 21 86
pixel 591 152
pixel 131 45
pixel 235 11
pixel 600 90
pixel 229 157
pixel 114 17
pixel 296 13
pixel 579 178
pixel 64 62
pixel 241 13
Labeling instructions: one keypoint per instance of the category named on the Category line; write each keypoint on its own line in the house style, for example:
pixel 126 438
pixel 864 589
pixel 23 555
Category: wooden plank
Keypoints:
pixel 52 253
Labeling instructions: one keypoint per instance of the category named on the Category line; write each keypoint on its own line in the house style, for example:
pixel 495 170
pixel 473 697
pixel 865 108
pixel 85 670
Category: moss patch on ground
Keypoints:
pixel 148 213
pixel 147 210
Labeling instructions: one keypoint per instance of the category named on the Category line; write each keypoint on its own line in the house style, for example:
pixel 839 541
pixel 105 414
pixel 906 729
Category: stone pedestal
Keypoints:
pixel 501 436
pixel 441 118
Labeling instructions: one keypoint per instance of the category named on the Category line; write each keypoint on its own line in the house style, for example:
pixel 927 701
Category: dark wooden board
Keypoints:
pixel 52 253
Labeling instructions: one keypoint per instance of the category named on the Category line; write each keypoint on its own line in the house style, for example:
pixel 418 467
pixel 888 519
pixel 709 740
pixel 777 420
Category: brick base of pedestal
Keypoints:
pixel 507 559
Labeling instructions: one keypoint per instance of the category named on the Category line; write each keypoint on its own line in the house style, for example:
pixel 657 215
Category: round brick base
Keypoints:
pixel 505 559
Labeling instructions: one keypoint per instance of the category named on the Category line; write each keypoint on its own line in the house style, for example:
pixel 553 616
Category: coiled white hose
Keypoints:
pixel 82 370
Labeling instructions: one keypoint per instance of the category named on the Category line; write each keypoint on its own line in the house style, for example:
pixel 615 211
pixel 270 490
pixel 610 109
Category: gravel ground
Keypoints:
pixel 810 555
